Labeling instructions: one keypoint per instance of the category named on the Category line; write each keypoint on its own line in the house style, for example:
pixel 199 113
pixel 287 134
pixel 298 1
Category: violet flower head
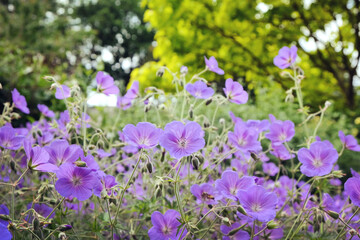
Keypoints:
pixel 280 132
pixel 270 168
pixel 46 111
pixel 239 235
pixel 213 66
pixel 5 234
pixel 281 152
pixel 244 138
pixel 166 226
pixel 133 91
pixel 230 184
pixel 9 139
pixel 349 142
pixel 123 102
pixel 205 193
pixel 258 203
pixel 235 92
pixel 105 84
pixel 352 189
pixel 79 182
pixel 5 211
pixel 199 89
pixel 184 70
pixel 318 160
pixel 38 158
pixel 182 140
pixel 143 135
pixel 60 151
pixel 286 57
pixel 62 92
pixel 19 101
pixel 109 182
pixel 42 209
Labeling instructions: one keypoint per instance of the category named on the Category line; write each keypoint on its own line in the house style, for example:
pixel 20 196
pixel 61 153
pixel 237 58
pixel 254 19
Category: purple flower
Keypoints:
pixel 19 101
pixel 281 152
pixel 281 131
pixel 184 70
pixel 106 84
pixel 5 211
pixel 62 92
pixel 286 57
pixel 235 92
pixel 42 209
pixel 133 91
pixel 212 64
pixel 270 168
pixel 230 184
pixel 182 140
pixel 199 89
pixel 5 234
pixel 349 141
pixel 244 138
pixel 9 139
pixel 123 102
pixel 240 235
pixel 205 193
pixel 38 158
pixel 318 160
pixel 144 135
pixel 352 189
pixel 109 182
pixel 46 111
pixel 76 182
pixel 258 203
pixel 60 152
pixel 166 226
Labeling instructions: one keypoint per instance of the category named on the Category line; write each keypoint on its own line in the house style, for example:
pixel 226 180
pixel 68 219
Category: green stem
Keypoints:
pixel 177 194
pixel 340 233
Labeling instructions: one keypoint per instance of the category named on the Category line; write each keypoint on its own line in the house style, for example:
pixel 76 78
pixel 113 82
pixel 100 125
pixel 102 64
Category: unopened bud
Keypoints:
pixel 235 230
pixel 208 101
pixel 160 72
pixel 338 174
pixel 195 163
pixel 80 164
pixel 158 192
pixel 162 156
pixel 272 225
pixel 13 165
pixel 206 124
pixel 62 236
pixel 191 113
pixel 147 108
pixel 36 223
pixel 183 70
pixel 352 232
pixel 200 158
pixel 65 227
pixel 222 121
pixel 327 104
pixel 149 167
pixel 242 210
pixel 333 214
pixel 226 221
pixel 254 156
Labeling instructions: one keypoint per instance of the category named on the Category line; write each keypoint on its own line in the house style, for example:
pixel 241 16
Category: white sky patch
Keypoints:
pixel 101 100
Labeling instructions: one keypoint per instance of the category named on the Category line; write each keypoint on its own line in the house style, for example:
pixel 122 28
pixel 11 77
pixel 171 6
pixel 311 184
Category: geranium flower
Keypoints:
pixel 239 235
pixel 46 111
pixel 133 91
pixel 5 234
pixel 205 193
pixel 318 160
pixel 79 182
pixel 19 101
pixel 182 140
pixel 9 139
pixel 258 203
pixel 62 92
pixel 60 151
pixel 281 131
pixel 286 57
pixel 270 168
pixel 244 138
pixel 235 92
pixel 349 141
pixel 230 184
pixel 166 226
pixel 281 152
pixel 38 158
pixel 352 189
pixel 212 64
pixel 143 135
pixel 199 90
pixel 106 84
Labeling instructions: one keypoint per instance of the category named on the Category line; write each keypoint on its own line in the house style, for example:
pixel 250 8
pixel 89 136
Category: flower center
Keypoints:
pixel 317 162
pixel 242 142
pixel 144 141
pixel 256 207
pixel 282 137
pixel 182 142
pixel 76 181
pixel 166 230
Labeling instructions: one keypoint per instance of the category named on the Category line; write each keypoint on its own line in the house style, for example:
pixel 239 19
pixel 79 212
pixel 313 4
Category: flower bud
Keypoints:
pixel 200 158
pixel 149 167
pixel 235 230
pixel 195 163
pixel 222 121
pixel 80 164
pixel 160 72
pixel 208 101
pixel 191 113
pixel 62 236
pixel 327 104
pixel 352 232
pixel 206 124
pixel 184 70
pixel 226 221
pixel 272 225
pixel 13 165
pixel 242 210
pixel 65 227
pixel 338 174
pixel 333 214
pixel 36 224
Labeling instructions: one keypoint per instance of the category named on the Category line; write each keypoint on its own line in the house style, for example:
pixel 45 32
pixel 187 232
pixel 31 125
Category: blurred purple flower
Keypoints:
pixel 62 92
pixel 143 135
pixel 133 91
pixel 318 160
pixel 349 141
pixel 239 235
pixel 352 189
pixel 9 139
pixel 281 152
pixel 5 211
pixel 123 102
pixel 258 203
pixel 199 89
pixel 5 234
pixel 286 57
pixel 212 64
pixel 270 168
pixel 42 209
pixel 105 84
pixel 166 226
pixel 281 131
pixel 235 92
pixel 230 184
pixel 184 70
pixel 46 111
pixel 244 138
pixel 76 182
pixel 182 140
pixel 19 101
pixel 61 152
pixel 205 193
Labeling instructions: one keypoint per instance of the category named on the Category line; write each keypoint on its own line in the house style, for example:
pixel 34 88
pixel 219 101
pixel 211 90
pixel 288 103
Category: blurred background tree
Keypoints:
pixel 245 36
